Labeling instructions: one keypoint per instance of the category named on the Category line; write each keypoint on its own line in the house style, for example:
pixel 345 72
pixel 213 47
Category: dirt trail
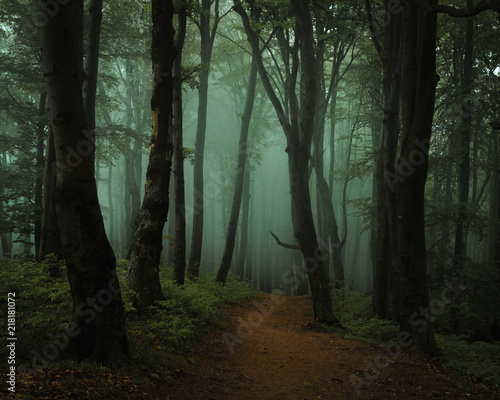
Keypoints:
pixel 283 357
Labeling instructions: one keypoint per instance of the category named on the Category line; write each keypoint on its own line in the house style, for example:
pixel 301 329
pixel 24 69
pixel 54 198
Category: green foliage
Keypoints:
pixel 161 335
pixel 353 309
pixel 480 359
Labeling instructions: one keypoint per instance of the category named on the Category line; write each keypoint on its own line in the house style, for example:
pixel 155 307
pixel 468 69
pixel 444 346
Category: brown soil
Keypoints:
pixel 278 354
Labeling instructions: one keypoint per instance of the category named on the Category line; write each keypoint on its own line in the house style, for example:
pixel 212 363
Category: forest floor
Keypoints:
pixel 269 348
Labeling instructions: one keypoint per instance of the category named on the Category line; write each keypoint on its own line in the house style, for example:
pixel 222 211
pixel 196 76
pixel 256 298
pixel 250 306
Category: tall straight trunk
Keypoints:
pixel 180 207
pixel 128 209
pixel 494 209
pixel 418 84
pixel 460 251
pixel 240 262
pixel 98 316
pixel 207 41
pixel 240 176
pixel 6 249
pixel 386 267
pixel 147 242
pixel 50 238
pixel 110 205
pixel 40 135
pixel 250 242
pixel 92 62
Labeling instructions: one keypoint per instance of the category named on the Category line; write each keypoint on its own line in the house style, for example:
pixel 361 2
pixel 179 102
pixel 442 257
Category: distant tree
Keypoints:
pixel 241 166
pixel 207 37
pixel 89 257
pixel 298 126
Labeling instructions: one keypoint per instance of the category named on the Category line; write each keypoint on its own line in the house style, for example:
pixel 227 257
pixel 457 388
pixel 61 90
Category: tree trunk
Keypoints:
pixel 110 205
pixel 418 84
pixel 92 62
pixel 494 209
pixel 240 176
pixel 147 241
pixel 245 208
pixel 98 318
pixel 50 238
pixel 180 207
pixel 207 40
pixel 40 134
pixel 460 252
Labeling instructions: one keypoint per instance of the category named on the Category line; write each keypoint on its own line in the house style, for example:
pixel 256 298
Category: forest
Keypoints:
pixel 250 199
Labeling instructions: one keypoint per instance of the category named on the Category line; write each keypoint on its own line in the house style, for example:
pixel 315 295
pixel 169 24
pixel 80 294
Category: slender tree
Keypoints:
pixel 207 35
pixel 241 166
pixel 180 208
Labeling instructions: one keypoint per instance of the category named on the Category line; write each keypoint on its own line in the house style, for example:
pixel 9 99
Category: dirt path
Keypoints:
pixel 267 350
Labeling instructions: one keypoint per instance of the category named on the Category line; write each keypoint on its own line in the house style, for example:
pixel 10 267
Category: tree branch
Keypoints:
pixel 482 5
pixel 288 246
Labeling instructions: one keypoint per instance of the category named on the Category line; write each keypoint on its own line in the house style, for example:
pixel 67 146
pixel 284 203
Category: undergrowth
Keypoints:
pixel 161 337
pixel 459 353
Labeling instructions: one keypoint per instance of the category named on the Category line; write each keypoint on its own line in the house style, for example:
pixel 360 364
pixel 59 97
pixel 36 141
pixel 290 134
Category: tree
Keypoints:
pixel 298 127
pixel 147 242
pixel 207 37
pixel 240 176
pixel 180 208
pixel 98 326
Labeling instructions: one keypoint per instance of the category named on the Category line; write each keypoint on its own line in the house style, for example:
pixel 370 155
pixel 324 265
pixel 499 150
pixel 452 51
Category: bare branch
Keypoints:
pixel 288 246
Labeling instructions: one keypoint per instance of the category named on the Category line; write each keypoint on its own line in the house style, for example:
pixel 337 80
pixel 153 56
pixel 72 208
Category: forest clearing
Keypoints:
pixel 250 199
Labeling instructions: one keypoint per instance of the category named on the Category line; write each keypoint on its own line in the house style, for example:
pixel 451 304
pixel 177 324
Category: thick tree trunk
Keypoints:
pixel 180 207
pixel 97 331
pixel 147 241
pixel 207 40
pixel 240 175
pixel 418 83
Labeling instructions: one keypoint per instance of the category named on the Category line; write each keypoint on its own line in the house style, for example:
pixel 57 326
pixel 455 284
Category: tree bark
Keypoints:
pixel 418 84
pixel 180 207
pixel 240 176
pixel 50 240
pixel 97 306
pixel 460 251
pixel 207 41
pixel 92 63
pixel 147 241
pixel 38 211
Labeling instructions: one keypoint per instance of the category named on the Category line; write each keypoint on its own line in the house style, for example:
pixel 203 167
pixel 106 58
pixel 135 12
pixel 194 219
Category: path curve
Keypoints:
pixel 268 350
